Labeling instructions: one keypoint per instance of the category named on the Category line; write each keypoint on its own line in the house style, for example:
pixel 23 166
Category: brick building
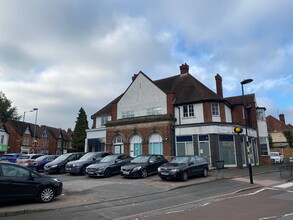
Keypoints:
pixel 178 115
pixel 46 140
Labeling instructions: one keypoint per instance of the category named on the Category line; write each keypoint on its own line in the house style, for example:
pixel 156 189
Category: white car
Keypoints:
pixel 25 159
pixel 276 157
pixel 291 159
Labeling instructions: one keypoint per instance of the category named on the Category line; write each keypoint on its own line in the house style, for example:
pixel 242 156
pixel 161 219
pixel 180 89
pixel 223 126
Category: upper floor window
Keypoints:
pixel 154 111
pixel 215 109
pixel 188 111
pixel 260 114
pixel 128 114
pixel 104 120
pixel 2 139
pixel 25 141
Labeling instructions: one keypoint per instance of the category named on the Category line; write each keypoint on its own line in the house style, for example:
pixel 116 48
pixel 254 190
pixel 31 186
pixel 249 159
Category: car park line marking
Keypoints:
pixel 284 185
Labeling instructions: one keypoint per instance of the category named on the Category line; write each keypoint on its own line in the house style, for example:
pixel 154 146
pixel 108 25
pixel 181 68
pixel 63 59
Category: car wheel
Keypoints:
pixel 144 173
pixel 47 194
pixel 108 173
pixel 205 172
pixel 83 170
pixel 184 176
pixel 62 169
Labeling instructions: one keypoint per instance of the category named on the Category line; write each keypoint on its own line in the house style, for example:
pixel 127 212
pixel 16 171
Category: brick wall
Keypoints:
pixel 144 131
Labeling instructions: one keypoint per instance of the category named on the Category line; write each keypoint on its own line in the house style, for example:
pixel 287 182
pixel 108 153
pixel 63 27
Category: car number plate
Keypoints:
pixel 125 172
pixel 165 173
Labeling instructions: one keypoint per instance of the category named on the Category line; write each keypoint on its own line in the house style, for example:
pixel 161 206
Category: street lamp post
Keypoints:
pixel 35 128
pixel 246 81
pixel 24 114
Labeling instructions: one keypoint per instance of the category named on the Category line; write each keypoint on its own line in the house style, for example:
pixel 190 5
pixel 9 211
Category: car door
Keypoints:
pixel 154 163
pixel 192 166
pixel 16 182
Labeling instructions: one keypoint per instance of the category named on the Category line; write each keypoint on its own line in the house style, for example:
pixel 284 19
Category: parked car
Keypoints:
pixel 58 165
pixel 78 166
pixel 25 159
pixel 19 182
pixel 291 159
pixel 183 167
pixel 276 157
pixel 39 163
pixel 143 166
pixel 10 157
pixel 108 165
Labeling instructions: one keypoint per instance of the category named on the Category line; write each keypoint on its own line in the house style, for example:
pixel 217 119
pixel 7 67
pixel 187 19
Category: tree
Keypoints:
pixel 6 109
pixel 289 137
pixel 271 143
pixel 79 133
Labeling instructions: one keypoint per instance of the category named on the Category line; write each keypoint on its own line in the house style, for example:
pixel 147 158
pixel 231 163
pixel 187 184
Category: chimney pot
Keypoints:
pixel 184 68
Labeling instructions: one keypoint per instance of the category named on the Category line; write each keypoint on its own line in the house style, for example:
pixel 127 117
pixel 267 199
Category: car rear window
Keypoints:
pixel 8 156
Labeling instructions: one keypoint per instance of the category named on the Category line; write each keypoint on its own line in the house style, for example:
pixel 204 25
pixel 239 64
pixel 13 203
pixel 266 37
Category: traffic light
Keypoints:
pixel 238 130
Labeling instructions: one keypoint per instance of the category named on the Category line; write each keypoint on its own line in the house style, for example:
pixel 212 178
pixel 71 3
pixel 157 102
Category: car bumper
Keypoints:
pixel 72 170
pixel 166 175
pixel 131 173
pixel 96 173
pixel 51 170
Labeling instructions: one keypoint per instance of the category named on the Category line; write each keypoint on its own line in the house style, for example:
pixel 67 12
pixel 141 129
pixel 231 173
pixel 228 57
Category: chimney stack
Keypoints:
pixel 184 68
pixel 282 118
pixel 219 85
pixel 134 77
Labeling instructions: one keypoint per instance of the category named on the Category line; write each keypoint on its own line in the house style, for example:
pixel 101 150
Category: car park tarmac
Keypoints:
pixel 82 190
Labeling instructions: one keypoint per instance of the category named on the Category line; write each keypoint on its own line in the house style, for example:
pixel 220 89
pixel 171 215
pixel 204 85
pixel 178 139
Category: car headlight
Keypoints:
pixel 159 169
pixel 56 180
pixel 137 168
pixel 54 166
pixel 76 165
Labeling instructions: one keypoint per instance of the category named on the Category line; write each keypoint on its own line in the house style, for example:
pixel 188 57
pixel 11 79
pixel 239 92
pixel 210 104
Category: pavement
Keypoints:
pixel 81 191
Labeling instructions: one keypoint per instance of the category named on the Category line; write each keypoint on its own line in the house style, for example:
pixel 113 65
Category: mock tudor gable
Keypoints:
pixel 141 98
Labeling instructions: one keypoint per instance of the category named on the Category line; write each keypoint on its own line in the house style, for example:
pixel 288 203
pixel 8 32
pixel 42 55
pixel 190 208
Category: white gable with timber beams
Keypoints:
pixel 141 98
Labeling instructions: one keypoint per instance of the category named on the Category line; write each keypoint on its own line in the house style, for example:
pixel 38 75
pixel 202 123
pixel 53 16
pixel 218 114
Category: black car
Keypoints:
pixel 19 182
pixel 78 166
pixel 142 166
pixel 108 165
pixel 58 165
pixel 183 167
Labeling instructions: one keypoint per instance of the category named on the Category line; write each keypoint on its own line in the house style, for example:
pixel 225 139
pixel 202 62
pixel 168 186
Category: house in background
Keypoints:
pixel 46 140
pixel 275 129
pixel 4 136
pixel 177 115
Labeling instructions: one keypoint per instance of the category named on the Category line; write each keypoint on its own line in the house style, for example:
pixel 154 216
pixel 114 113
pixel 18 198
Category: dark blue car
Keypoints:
pixel 10 157
pixel 39 163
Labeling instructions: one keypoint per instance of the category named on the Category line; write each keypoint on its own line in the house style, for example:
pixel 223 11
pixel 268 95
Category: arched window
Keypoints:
pixel 118 146
pixel 155 144
pixel 135 146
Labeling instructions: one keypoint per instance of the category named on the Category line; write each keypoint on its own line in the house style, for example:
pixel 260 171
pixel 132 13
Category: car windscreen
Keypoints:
pixel 140 159
pixel 41 158
pixel 24 157
pixel 62 157
pixel 88 156
pixel 110 158
pixel 274 154
pixel 179 160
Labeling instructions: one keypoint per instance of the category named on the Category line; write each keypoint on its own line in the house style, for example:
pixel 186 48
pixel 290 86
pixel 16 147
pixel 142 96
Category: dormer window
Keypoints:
pixel 215 109
pixel 188 111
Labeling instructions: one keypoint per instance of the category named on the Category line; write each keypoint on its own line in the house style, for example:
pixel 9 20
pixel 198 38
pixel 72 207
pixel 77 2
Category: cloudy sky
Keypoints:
pixel 61 55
